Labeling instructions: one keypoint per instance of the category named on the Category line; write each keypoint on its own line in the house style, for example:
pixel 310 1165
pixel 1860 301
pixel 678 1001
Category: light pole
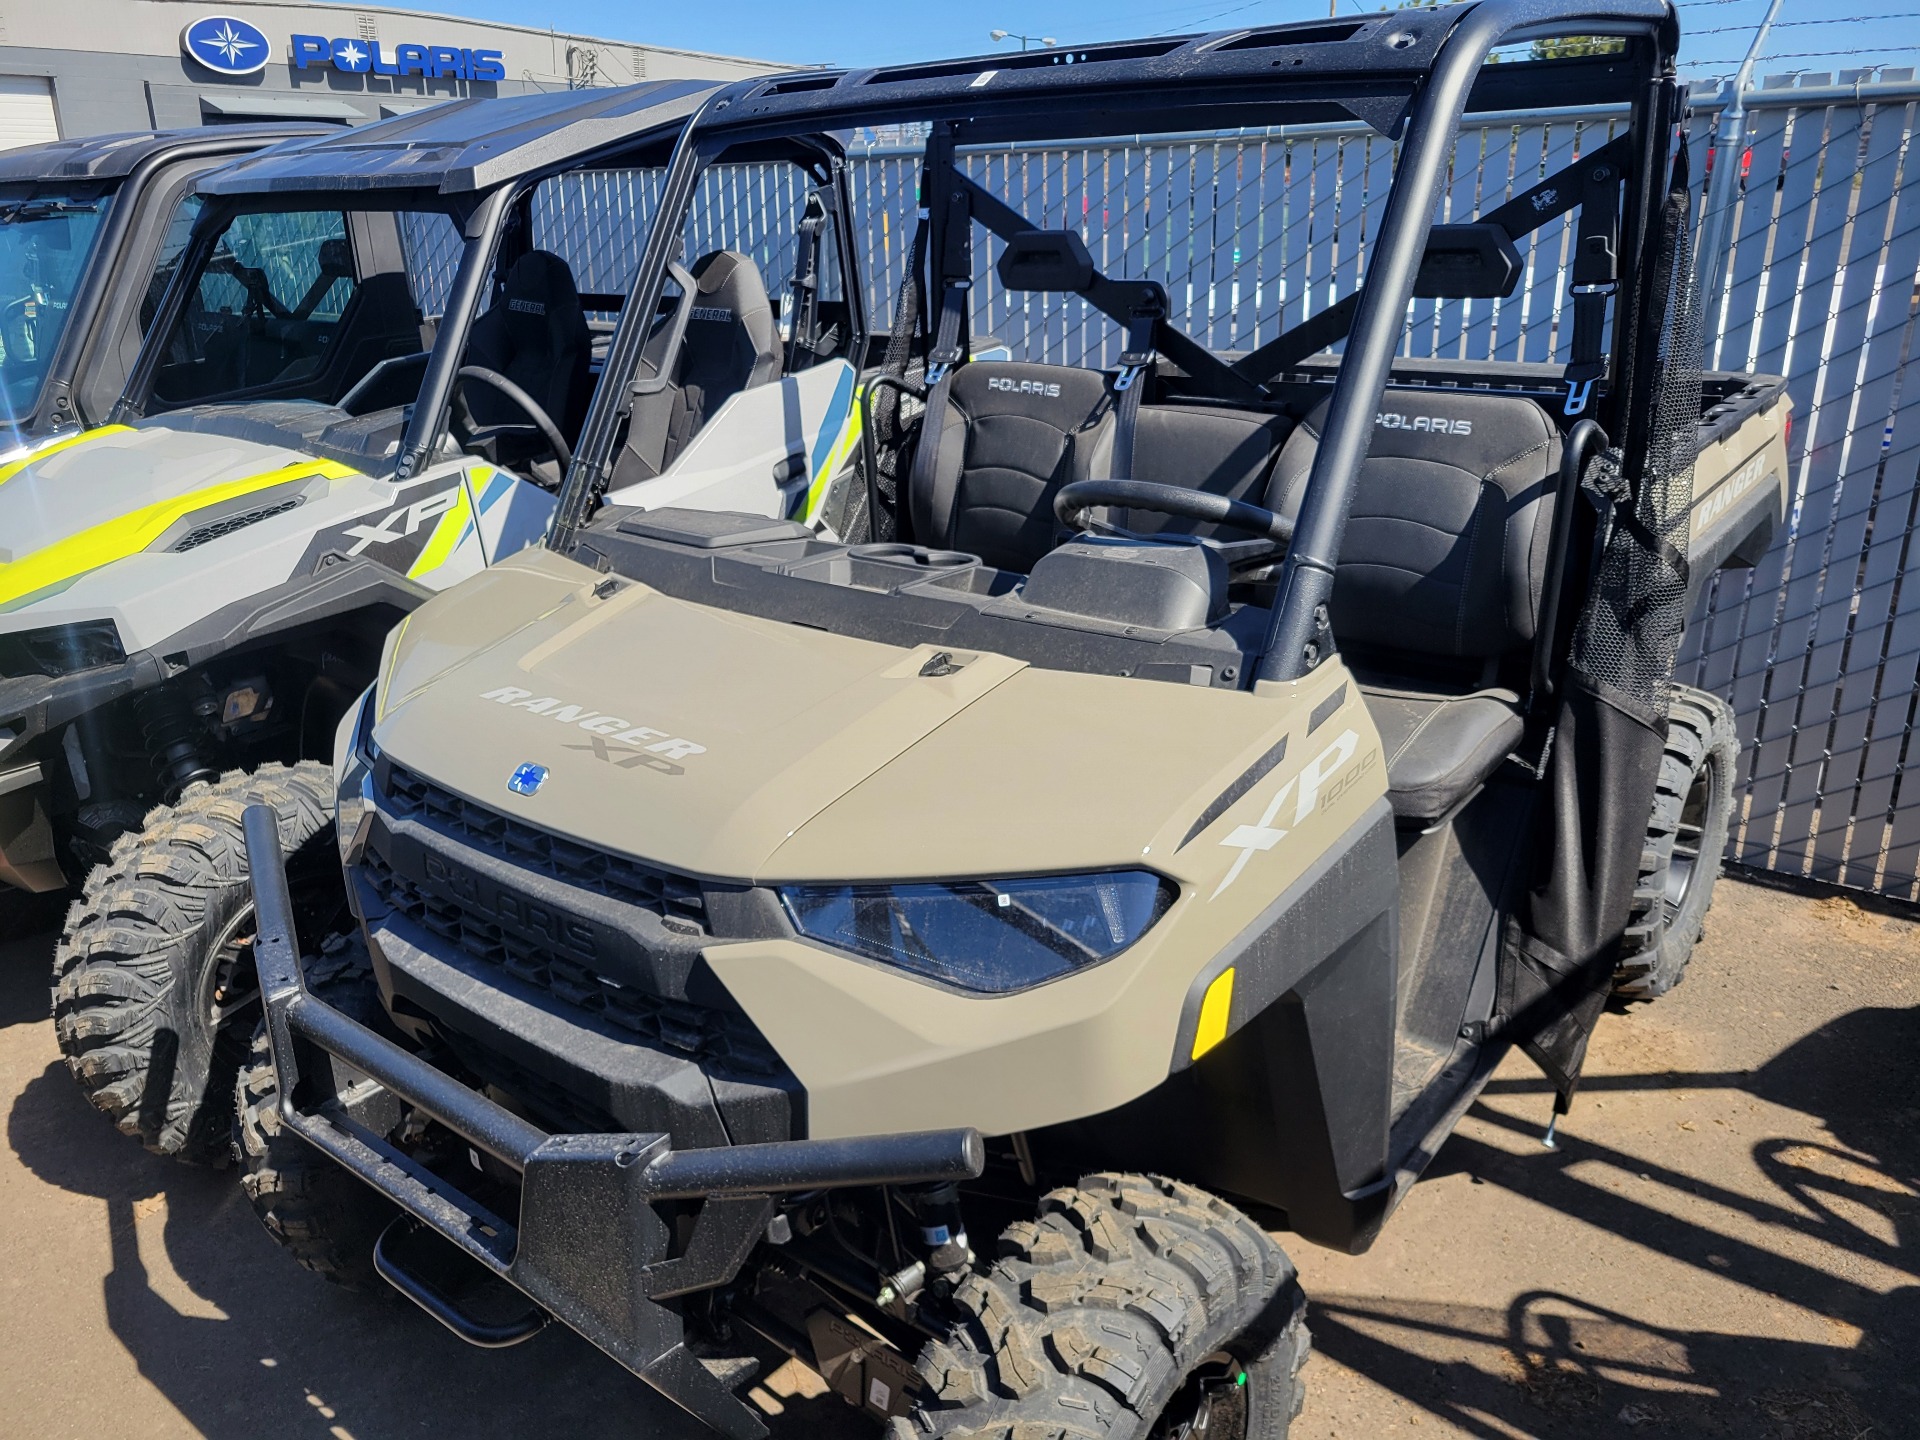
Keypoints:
pixel 1045 42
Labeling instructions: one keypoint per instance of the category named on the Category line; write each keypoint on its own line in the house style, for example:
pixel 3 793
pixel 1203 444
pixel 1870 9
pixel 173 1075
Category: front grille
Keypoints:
pixel 715 1038
pixel 675 898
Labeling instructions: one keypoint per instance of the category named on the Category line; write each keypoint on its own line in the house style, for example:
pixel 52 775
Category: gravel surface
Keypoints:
pixel 1726 1242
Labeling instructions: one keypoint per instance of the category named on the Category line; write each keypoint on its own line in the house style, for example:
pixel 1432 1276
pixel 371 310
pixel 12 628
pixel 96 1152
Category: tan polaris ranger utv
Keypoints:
pixel 1192 776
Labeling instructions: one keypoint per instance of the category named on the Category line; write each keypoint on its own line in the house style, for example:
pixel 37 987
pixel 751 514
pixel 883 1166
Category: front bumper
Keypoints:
pixel 588 1246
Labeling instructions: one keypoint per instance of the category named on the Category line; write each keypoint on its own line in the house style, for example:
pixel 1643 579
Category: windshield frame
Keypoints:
pixel 100 203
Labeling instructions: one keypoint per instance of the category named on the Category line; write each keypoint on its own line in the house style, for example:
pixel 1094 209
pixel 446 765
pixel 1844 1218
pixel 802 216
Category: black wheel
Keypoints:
pixel 326 1219
pixel 154 996
pixel 1686 836
pixel 1134 1308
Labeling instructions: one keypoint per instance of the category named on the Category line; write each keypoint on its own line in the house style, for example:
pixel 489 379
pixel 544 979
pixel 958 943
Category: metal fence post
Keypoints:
pixel 1724 184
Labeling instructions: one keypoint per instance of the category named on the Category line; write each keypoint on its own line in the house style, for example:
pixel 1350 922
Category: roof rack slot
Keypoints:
pixel 800 84
pixel 1027 60
pixel 1296 35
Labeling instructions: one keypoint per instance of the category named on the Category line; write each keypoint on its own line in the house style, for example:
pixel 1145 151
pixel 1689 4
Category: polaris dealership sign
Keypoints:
pixel 364 57
pixel 230 46
pixel 226 46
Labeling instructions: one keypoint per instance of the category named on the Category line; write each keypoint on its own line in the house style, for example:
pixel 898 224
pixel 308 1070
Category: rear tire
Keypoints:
pixel 1686 837
pixel 153 994
pixel 1127 1306
pixel 327 1220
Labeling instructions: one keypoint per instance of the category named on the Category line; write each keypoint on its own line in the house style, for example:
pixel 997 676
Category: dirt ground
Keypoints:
pixel 1726 1242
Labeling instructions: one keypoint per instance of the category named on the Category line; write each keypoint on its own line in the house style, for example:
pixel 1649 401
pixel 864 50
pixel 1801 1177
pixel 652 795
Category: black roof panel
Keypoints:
pixel 467 145
pixel 114 157
pixel 1363 65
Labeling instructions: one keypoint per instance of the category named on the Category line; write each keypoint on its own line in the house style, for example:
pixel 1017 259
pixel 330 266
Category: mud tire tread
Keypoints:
pixel 324 1217
pixel 1098 1309
pixel 132 945
pixel 1659 939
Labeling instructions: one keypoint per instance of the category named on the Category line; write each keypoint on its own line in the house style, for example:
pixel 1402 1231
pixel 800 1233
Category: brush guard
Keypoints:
pixel 588 1247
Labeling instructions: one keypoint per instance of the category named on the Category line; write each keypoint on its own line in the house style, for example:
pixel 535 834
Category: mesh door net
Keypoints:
pixel 1610 728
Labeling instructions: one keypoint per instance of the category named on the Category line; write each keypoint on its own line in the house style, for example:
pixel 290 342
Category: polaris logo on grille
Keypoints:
pixel 528 917
pixel 1435 424
pixel 620 732
pixel 1025 387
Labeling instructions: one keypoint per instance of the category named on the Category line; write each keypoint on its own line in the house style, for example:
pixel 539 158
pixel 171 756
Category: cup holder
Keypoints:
pixel 917 555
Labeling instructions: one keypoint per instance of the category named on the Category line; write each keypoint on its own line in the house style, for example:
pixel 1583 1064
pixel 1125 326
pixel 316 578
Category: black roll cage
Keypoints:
pixel 1410 74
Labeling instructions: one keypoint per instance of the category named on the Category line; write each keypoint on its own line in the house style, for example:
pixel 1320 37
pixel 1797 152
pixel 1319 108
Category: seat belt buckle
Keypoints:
pixel 1129 373
pixel 946 350
pixel 1579 382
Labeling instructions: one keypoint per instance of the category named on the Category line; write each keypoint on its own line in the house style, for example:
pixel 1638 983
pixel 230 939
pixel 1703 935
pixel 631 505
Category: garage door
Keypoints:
pixel 26 111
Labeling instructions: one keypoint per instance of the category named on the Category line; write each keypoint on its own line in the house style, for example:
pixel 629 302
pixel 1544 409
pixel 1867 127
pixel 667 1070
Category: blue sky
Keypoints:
pixel 867 33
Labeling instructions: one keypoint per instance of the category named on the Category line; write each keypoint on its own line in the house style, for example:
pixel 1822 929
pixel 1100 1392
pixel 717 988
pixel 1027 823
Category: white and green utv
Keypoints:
pixel 362 385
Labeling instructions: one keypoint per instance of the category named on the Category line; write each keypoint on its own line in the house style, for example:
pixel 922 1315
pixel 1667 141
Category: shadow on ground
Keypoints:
pixel 1568 1367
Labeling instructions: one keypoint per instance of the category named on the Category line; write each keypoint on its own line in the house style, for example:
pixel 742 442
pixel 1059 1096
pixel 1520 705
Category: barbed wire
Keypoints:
pixel 1789 24
pixel 1811 54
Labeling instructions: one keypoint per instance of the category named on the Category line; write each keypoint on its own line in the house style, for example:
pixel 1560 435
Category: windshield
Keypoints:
pixel 300 304
pixel 44 247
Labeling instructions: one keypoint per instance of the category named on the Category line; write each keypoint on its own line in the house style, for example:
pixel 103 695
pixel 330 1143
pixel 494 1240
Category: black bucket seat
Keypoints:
pixel 1437 594
pixel 535 333
pixel 732 344
pixel 998 442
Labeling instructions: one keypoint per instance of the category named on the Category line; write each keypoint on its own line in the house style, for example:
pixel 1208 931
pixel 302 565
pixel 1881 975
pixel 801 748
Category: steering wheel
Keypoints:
pixel 531 407
pixel 1075 500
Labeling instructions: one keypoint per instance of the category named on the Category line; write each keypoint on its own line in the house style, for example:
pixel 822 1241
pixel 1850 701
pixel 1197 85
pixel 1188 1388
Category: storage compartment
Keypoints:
pixel 710 529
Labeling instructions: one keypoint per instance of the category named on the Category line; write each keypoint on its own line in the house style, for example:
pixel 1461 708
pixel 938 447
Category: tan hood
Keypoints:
pixel 735 747
pixel 684 735
pixel 1055 770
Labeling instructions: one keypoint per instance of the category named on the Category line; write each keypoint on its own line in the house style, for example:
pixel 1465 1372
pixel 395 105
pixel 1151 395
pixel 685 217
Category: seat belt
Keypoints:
pixel 954 275
pixel 1136 365
pixel 802 336
pixel 883 438
pixel 1595 280
pixel 956 285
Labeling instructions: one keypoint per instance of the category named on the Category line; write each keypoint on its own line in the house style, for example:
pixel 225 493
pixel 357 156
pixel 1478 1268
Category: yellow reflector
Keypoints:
pixel 1214 1010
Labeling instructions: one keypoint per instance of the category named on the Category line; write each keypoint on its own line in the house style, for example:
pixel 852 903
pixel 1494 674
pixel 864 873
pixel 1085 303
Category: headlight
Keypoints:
pixel 61 649
pixel 994 936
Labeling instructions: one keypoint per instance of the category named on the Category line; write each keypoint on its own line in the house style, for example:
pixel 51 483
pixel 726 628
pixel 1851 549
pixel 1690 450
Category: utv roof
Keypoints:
pixel 463 146
pixel 114 157
pixel 1364 67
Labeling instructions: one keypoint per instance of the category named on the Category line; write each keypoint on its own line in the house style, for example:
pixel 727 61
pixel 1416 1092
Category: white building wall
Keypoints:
pixel 117 64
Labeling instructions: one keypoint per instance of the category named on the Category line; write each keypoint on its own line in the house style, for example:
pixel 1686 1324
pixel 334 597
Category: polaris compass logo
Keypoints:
pixel 225 45
pixel 527 779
